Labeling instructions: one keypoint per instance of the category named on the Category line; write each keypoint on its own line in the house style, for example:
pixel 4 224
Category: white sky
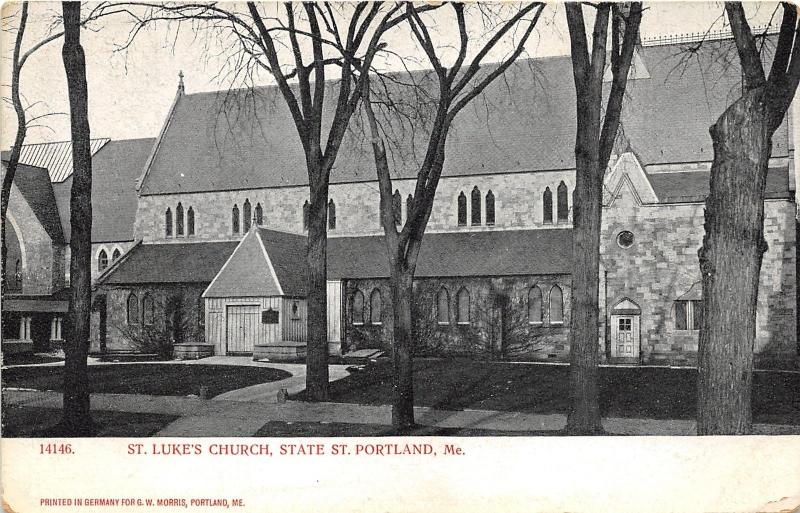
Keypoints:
pixel 130 92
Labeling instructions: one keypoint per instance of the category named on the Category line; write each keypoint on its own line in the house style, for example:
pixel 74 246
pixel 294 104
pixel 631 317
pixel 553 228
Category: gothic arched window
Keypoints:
pixel 246 215
pixel 547 206
pixel 331 215
pixel 556 305
pixel 463 306
pixel 475 218
pixel 443 306
pixel 259 214
pixel 358 307
pixel 148 310
pixel 490 208
pixel 133 310
pixel 462 209
pixel 179 219
pixel 235 219
pixel 563 205
pixel 305 215
pixel 375 307
pixel 535 305
pixel 168 223
pixel 397 205
pixel 102 260
pixel 190 221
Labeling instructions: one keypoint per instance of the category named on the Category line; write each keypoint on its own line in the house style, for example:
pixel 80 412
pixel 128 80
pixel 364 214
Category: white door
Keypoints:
pixel 625 336
pixel 242 332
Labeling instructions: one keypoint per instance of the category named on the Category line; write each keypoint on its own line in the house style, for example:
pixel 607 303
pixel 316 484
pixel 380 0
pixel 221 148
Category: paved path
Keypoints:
pixel 216 417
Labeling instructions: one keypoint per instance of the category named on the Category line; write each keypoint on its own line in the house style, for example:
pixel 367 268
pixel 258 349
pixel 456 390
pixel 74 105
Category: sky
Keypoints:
pixel 131 90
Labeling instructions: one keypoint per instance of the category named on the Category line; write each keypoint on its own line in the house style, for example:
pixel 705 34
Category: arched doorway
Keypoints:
pixel 625 331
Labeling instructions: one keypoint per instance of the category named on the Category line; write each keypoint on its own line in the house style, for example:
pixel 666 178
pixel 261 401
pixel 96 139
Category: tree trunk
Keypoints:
pixel 19 139
pixel 76 418
pixel 730 262
pixel 317 349
pixel 402 279
pixel 584 414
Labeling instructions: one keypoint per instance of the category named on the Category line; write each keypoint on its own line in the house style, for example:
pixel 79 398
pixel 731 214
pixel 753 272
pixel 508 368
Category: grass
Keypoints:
pixel 25 421
pixel 633 392
pixel 339 429
pixel 149 379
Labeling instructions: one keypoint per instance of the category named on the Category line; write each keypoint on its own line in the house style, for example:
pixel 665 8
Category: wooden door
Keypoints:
pixel 625 336
pixel 242 328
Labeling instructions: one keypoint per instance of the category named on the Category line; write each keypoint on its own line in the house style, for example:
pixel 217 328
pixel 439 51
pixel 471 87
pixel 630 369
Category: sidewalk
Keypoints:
pixel 237 418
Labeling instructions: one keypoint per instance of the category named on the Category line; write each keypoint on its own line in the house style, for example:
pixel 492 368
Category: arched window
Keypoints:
pixel 462 209
pixel 397 205
pixel 409 204
pixel 148 310
pixel 259 214
pixel 358 307
pixel 235 219
pixel 556 305
pixel 102 260
pixel 168 223
pixel 475 218
pixel 190 221
pixel 133 310
pixel 443 306
pixel 490 208
pixel 115 255
pixel 535 305
pixel 305 215
pixel 179 219
pixel 563 205
pixel 547 206
pixel 331 215
pixel 463 306
pixel 375 307
pixel 247 215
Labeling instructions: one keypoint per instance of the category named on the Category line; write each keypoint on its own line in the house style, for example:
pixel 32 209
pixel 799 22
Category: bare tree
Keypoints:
pixel 76 419
pixel 299 43
pixel 18 60
pixel 734 244
pixel 456 87
pixel 593 145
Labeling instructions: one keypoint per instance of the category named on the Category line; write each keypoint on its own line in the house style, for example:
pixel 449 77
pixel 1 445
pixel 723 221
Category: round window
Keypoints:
pixel 625 239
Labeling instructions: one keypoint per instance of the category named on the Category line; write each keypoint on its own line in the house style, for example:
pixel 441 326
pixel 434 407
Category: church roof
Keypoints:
pixel 279 269
pixel 34 185
pixel 56 157
pixel 693 186
pixel 115 168
pixel 170 263
pixel 245 138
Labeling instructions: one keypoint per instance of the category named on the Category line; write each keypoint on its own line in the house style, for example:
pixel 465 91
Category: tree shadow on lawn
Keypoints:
pixel 33 422
pixel 632 392
pixel 148 379
pixel 342 429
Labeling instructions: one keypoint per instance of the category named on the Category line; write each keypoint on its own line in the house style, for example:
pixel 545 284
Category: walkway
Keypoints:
pixel 219 417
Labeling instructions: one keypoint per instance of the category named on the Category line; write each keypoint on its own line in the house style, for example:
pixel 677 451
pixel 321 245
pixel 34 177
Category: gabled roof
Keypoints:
pixel 115 168
pixel 247 273
pixel 56 157
pixel 170 263
pixel 34 185
pixel 693 186
pixel 246 138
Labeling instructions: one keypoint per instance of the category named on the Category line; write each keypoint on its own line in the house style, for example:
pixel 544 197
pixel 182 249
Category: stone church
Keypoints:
pixel 219 231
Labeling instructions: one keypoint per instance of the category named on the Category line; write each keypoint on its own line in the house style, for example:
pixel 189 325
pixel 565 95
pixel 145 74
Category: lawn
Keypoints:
pixel 24 421
pixel 150 379
pixel 634 392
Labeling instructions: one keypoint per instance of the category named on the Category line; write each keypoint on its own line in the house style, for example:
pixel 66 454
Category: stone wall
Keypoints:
pixel 40 257
pixel 114 300
pixel 499 326
pixel 518 204
pixel 662 265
